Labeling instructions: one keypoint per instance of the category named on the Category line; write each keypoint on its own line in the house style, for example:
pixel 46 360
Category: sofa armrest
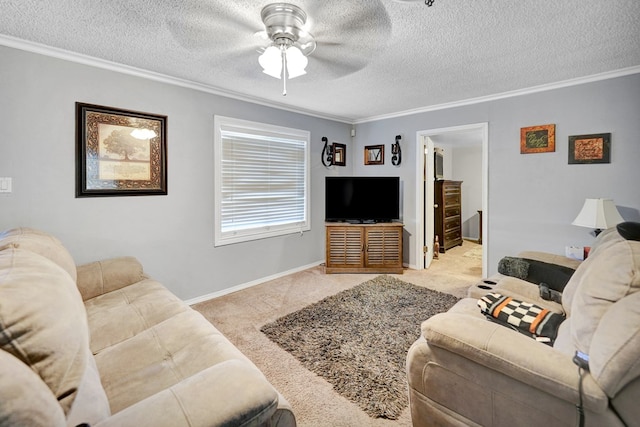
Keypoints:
pixel 100 277
pixel 550 258
pixel 514 288
pixel 514 355
pixel 229 393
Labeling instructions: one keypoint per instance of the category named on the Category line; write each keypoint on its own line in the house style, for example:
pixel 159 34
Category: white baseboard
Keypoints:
pixel 242 286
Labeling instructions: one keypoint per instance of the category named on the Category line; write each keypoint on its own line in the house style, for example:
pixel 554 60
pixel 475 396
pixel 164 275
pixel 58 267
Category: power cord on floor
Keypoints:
pixel 582 360
pixel 579 408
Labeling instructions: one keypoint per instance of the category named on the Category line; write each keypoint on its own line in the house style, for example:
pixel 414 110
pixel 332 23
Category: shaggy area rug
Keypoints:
pixel 358 339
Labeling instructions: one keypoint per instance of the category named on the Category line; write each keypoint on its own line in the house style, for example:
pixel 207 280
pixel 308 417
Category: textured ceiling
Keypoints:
pixel 375 58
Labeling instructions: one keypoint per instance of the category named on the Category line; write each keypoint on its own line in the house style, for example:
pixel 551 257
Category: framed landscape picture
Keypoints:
pixel 538 139
pixel 593 148
pixel 119 152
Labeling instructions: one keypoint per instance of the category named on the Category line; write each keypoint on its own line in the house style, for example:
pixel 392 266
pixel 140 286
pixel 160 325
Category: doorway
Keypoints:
pixel 425 183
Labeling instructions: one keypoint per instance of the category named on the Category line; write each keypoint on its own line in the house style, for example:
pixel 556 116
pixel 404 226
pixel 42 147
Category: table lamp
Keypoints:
pixel 598 214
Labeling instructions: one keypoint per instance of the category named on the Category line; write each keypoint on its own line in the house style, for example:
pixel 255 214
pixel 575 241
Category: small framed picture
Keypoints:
pixel 374 155
pixel 594 148
pixel 538 139
pixel 120 152
pixel 339 154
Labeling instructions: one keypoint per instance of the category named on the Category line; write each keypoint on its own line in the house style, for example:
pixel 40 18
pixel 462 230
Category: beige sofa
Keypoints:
pixel 106 345
pixel 467 371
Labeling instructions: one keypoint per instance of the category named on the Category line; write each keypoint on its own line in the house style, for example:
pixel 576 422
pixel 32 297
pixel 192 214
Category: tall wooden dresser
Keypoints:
pixel 448 213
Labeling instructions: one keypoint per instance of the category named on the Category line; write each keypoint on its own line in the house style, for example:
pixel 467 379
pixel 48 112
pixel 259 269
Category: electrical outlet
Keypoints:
pixel 5 185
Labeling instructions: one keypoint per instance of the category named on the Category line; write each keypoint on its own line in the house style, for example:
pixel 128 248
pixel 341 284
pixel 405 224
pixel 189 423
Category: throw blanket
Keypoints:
pixel 524 317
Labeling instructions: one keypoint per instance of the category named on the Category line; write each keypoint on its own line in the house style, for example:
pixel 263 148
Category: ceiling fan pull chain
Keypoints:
pixel 283 51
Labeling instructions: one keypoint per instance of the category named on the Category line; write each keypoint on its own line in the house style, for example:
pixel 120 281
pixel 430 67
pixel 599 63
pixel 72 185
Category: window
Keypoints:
pixel 261 180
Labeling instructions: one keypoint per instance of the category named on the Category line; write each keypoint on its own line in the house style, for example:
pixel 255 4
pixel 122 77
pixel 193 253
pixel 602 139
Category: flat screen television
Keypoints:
pixel 438 164
pixel 362 199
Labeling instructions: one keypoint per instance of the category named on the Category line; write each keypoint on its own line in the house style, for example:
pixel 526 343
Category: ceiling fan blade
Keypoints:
pixel 213 25
pixel 331 17
pixel 347 38
pixel 332 67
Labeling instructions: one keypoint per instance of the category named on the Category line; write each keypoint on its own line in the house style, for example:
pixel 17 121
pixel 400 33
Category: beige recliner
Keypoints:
pixel 465 370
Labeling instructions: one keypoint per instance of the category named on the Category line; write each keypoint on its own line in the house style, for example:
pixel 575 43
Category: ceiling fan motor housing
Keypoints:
pixel 284 22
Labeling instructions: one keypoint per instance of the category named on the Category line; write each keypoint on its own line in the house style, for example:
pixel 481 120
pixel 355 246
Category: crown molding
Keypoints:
pixel 527 91
pixel 54 52
pixel 91 61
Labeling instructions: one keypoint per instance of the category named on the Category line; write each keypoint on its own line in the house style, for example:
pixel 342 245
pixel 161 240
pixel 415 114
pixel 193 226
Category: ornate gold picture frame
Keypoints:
pixel 119 152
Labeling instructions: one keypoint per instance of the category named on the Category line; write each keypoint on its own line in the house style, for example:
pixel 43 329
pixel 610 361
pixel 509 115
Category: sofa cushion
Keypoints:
pixel 25 400
pixel 604 240
pixel 137 307
pixel 629 230
pixel 100 277
pixel 616 345
pixel 515 288
pixel 536 272
pixel 228 394
pixel 514 267
pixel 43 321
pixel 91 404
pixel 41 243
pixel 550 258
pixel 172 350
pixel 611 272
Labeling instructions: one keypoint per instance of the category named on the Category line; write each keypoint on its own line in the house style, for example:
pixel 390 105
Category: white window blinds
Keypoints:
pixel 262 187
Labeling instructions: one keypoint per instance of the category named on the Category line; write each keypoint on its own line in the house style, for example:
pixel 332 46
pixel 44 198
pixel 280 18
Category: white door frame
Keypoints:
pixel 423 140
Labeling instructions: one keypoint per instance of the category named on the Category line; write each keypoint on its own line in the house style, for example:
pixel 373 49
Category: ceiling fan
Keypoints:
pixel 286 56
pixel 335 38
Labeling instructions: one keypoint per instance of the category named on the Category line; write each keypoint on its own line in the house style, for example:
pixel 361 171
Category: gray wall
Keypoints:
pixel 532 197
pixel 172 235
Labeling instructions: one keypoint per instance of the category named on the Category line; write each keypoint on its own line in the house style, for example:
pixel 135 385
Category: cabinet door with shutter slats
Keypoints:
pixel 345 246
pixel 364 248
pixel 383 247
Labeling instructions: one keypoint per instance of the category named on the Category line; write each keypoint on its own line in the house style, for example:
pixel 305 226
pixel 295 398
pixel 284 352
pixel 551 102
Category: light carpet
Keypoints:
pixel 240 315
pixel 475 252
pixel 358 339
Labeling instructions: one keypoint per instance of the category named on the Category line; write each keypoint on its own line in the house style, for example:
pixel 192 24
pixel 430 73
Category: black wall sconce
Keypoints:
pixel 396 159
pixel 327 153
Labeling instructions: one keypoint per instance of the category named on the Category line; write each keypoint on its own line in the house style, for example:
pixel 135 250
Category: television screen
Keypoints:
pixel 438 166
pixel 362 198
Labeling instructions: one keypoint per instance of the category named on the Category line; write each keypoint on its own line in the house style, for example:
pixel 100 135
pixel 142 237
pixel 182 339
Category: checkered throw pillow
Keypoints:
pixel 522 316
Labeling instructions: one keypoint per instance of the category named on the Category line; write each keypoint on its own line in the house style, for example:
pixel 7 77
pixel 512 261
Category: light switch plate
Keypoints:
pixel 5 184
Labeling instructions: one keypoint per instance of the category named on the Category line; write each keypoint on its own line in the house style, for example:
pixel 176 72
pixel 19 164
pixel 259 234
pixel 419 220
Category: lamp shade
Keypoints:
pixel 598 214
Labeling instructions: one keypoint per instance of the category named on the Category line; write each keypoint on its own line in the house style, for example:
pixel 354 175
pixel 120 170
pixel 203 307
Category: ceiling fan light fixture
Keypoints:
pixel 271 61
pixel 296 62
pixel 286 57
